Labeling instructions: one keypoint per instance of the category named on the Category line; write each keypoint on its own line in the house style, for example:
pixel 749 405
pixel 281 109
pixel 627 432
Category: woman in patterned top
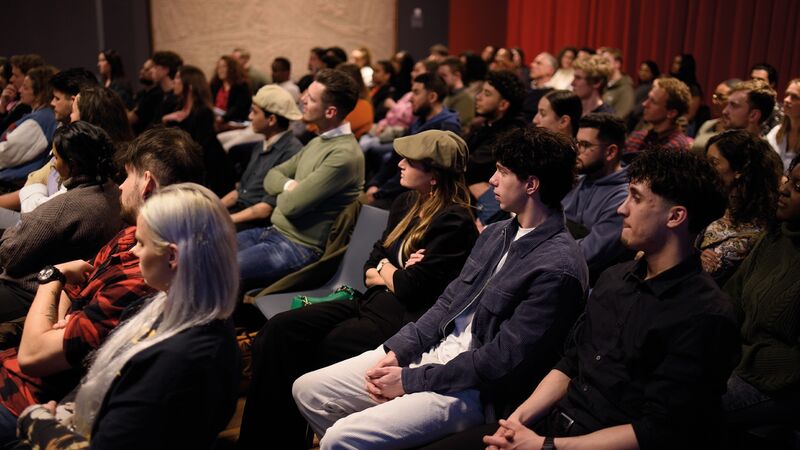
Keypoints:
pixel 168 377
pixel 750 172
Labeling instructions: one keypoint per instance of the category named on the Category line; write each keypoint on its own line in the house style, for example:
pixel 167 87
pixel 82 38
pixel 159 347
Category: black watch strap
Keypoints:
pixel 549 443
pixel 51 273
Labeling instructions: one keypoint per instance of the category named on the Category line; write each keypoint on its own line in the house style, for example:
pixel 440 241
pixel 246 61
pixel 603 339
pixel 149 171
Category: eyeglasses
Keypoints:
pixel 586 145
pixel 719 98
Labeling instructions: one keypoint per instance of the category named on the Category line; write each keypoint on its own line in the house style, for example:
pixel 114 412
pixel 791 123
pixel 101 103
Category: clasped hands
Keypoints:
pixel 383 381
pixel 513 435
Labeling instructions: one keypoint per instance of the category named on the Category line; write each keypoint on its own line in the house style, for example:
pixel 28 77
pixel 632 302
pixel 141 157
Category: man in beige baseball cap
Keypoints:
pixel 272 110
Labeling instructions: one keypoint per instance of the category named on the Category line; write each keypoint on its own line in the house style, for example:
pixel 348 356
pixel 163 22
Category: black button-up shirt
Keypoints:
pixel 653 353
pixel 251 187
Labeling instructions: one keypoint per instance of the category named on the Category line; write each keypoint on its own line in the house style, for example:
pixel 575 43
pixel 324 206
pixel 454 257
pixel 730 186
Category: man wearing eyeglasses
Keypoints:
pixel 591 206
pixel 714 126
pixel 667 101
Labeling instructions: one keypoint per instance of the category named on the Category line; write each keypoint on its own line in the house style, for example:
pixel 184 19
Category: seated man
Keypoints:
pixel 272 109
pixel 591 206
pixel 311 188
pixel 458 97
pixel 667 101
pixel 499 102
pixel 65 325
pixel 649 361
pixel 488 337
pixel 618 93
pixel 750 104
pixel 591 76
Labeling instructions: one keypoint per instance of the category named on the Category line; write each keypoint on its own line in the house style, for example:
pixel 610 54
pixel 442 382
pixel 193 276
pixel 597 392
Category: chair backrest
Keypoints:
pixel 369 228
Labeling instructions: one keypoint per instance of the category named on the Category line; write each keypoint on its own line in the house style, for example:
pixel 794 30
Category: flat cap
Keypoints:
pixel 443 149
pixel 277 100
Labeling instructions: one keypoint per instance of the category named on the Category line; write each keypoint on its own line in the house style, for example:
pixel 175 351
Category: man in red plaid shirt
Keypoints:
pixel 74 312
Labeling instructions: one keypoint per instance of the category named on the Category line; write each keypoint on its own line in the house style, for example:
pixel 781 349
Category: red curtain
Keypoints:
pixel 726 37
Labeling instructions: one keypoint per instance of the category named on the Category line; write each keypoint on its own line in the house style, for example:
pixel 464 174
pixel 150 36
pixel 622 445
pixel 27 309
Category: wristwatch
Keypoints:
pixel 549 443
pixel 380 265
pixel 51 273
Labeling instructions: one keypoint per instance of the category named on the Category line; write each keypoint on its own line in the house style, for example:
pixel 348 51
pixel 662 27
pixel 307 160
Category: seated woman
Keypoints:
pixel 750 172
pixel 109 64
pixel 427 239
pixel 230 91
pixel 765 388
pixel 559 111
pixel 72 225
pixel 197 118
pixel 168 377
pixel 26 141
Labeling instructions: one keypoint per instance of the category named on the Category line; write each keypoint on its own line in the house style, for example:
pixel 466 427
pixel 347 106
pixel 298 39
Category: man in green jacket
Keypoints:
pixel 311 188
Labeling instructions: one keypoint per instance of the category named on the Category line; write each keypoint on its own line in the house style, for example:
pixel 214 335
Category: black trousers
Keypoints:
pixel 300 341
pixel 14 302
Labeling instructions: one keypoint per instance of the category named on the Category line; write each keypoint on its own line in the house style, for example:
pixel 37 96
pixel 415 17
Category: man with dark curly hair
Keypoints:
pixel 499 102
pixel 493 333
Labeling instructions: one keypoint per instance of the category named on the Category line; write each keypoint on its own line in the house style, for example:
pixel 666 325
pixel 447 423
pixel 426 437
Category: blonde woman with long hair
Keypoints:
pixel 167 377
pixel 428 237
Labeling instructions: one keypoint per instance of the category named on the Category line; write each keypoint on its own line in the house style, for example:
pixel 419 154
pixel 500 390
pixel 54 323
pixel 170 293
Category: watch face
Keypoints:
pixel 46 273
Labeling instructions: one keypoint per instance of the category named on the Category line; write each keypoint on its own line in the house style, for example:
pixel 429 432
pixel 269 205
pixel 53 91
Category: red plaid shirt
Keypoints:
pixel 97 305
pixel 671 140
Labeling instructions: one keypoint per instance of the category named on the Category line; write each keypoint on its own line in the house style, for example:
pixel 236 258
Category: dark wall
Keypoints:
pixel 69 34
pixel 415 35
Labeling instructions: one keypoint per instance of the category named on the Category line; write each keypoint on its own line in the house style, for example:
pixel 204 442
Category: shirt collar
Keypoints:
pixel 269 143
pixel 667 279
pixel 341 130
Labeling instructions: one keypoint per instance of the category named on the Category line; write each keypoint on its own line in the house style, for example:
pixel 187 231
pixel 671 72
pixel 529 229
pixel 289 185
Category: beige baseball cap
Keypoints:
pixel 444 149
pixel 277 100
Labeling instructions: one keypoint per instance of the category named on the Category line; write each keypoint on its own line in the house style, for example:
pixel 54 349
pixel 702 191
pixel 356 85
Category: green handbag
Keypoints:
pixel 344 292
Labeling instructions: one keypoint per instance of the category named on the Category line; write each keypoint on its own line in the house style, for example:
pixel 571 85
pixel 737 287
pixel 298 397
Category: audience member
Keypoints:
pixel 667 101
pixel 591 206
pixel 146 100
pixel 270 114
pixel 403 66
pixel 499 103
pixel 437 53
pixel 503 60
pixel 618 92
pixel 230 91
pixel 487 54
pixel 425 244
pixel 311 188
pixel 457 99
pixel 562 79
pixel 474 72
pixel 750 104
pixel 24 145
pixel 282 76
pixel 785 137
pixel 645 368
pixel 542 69
pixel 97 292
pixel 11 108
pixel 382 92
pixel 72 225
pixel 196 117
pixel 360 118
pixel 427 94
pixel 143 382
pixel 112 74
pixel 648 73
pixel 763 389
pixel 362 58
pixel 489 336
pixel 159 100
pixel 66 85
pixel 589 80
pixel 767 73
pixel 255 77
pixel 559 111
pixel 314 65
pixel 716 125
pixel 684 68
pixel 750 173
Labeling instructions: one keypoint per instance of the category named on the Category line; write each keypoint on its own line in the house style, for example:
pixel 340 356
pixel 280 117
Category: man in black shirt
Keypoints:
pixel 649 360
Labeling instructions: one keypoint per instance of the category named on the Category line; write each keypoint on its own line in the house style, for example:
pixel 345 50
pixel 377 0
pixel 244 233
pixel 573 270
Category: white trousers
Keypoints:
pixel 335 402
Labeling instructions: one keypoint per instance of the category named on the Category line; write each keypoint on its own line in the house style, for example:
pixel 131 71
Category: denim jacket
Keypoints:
pixel 523 315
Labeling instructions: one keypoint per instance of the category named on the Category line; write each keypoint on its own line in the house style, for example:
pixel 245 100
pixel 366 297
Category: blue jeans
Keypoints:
pixel 266 255
pixel 8 426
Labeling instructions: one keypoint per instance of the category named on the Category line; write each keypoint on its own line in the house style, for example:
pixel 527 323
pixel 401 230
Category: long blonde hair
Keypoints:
pixel 203 289
pixel 450 188
pixel 786 125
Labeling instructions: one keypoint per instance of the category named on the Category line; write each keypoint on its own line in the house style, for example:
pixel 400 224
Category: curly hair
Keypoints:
pixel 235 73
pixel 86 149
pixel 754 193
pixel 685 179
pixel 678 94
pixel 549 156
pixel 510 87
